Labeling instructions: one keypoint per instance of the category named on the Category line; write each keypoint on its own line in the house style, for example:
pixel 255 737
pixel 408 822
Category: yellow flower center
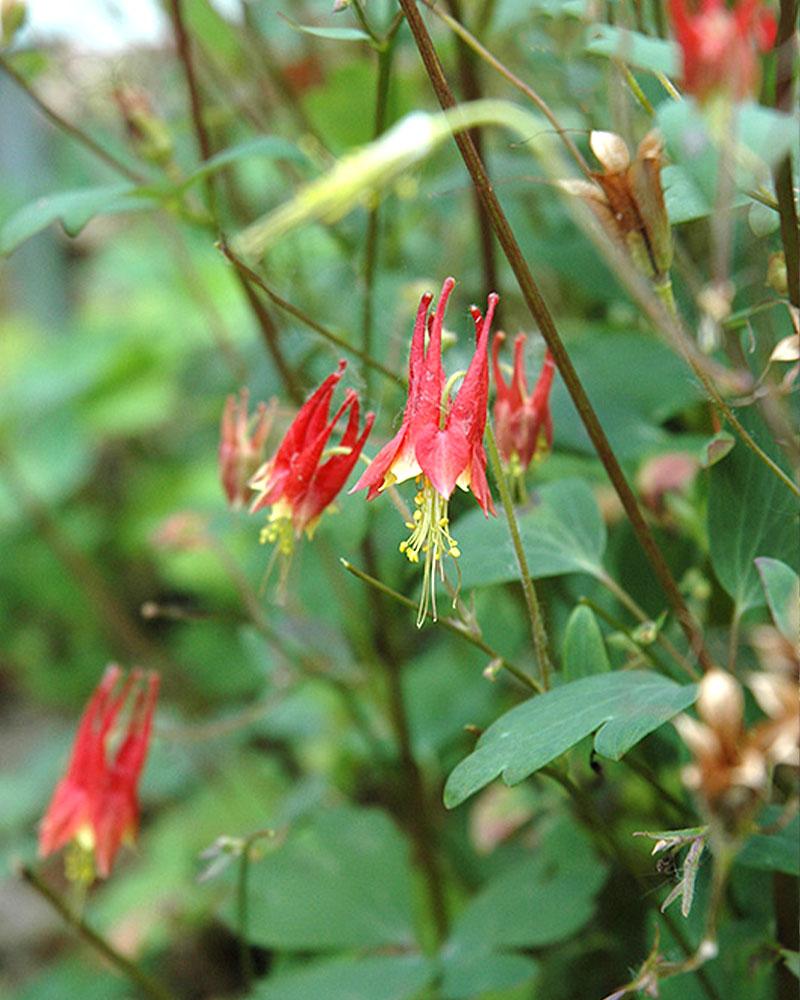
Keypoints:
pixel 430 536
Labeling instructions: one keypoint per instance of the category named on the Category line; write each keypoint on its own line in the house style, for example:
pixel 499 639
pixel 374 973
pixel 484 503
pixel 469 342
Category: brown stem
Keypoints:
pixel 542 316
pixel 786 47
pixel 72 130
pixel 269 332
pixel 304 318
pixel 184 50
pixel 149 986
pixel 472 42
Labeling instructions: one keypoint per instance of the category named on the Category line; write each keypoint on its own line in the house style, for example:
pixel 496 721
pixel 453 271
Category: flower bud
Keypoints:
pixel 147 132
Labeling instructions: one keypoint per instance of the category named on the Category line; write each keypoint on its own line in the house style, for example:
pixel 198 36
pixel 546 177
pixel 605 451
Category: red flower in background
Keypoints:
pixel 720 46
pixel 298 482
pixel 522 420
pixel 440 442
pixel 95 804
pixel 240 448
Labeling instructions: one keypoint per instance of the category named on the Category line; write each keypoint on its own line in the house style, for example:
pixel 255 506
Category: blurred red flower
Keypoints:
pixel 720 46
pixel 522 420
pixel 95 805
pixel 241 446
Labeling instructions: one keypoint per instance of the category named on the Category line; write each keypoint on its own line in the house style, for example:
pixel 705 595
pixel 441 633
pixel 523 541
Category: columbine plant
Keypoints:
pixel 523 424
pixel 95 806
pixel 304 475
pixel 440 442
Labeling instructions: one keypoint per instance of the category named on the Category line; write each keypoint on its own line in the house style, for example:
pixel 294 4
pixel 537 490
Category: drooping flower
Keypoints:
pixel 628 201
pixel 440 442
pixel 522 421
pixel 719 47
pixel 732 764
pixel 95 805
pixel 241 446
pixel 303 477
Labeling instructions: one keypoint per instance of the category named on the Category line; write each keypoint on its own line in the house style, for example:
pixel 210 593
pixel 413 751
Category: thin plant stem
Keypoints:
pixel 242 905
pixel 138 977
pixel 639 613
pixel 385 59
pixel 664 291
pixel 184 50
pixel 304 318
pixel 450 625
pixel 541 314
pixel 469 39
pixel 617 853
pixel 269 333
pixel 538 630
pixel 70 129
pixel 644 648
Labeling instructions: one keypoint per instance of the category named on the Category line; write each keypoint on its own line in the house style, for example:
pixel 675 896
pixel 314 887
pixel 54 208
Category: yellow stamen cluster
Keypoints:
pixel 79 865
pixel 430 535
pixel 279 530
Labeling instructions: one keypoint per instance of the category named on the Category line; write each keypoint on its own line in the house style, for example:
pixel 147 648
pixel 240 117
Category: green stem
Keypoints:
pixel 149 986
pixel 385 58
pixel 541 314
pixel 450 625
pixel 72 130
pixel 538 630
pixel 641 615
pixel 644 648
pixel 242 906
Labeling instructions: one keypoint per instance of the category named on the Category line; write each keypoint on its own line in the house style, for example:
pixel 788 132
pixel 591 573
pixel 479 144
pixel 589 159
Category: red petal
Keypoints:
pixel 442 455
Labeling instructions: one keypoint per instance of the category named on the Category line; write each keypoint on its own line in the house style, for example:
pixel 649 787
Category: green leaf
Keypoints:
pixel 763 137
pixel 774 852
pixel 624 706
pixel 562 532
pixel 792 960
pixel 635 384
pixel 469 975
pixel 684 199
pixel 584 649
pixel 782 589
pixel 633 48
pixel 342 881
pixel 750 513
pixel 74 209
pixel 337 34
pixel 379 977
pixel 544 897
pixel 273 147
pixel 716 448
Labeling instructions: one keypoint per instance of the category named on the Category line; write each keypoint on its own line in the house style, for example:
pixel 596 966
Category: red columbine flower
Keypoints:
pixel 719 46
pixel 440 442
pixel 240 446
pixel 95 804
pixel 299 482
pixel 522 420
